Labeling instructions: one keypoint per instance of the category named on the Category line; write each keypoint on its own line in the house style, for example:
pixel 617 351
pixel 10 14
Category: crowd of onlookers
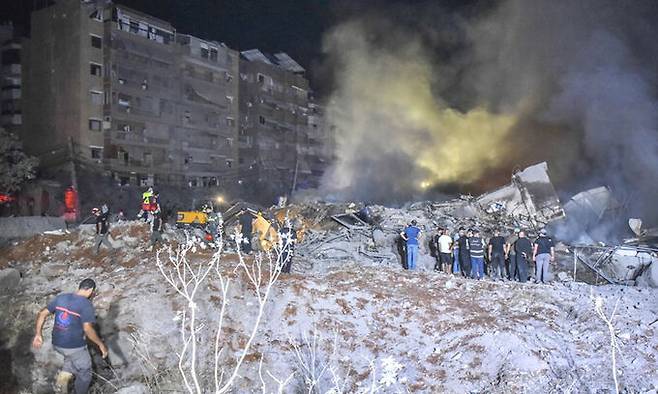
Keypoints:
pixel 467 253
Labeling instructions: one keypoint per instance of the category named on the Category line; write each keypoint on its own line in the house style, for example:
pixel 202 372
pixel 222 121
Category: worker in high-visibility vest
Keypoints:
pixel 146 199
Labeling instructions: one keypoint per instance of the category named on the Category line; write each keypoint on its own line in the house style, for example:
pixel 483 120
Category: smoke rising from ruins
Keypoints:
pixel 568 82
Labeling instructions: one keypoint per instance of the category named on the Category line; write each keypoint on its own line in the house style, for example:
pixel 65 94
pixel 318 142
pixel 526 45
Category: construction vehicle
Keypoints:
pixel 198 218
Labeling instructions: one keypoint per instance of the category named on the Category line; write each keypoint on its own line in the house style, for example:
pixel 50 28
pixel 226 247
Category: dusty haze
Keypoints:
pixel 524 81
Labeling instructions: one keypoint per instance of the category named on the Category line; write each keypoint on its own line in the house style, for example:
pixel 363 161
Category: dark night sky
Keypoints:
pixel 292 26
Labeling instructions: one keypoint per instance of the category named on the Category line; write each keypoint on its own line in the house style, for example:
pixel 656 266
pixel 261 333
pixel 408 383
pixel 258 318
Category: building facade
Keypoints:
pixel 279 144
pixel 11 117
pixel 122 92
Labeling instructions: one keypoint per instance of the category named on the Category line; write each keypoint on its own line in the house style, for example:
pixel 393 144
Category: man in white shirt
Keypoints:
pixel 445 251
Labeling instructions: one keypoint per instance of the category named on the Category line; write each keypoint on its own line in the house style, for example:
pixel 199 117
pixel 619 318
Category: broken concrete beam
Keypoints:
pixel 530 196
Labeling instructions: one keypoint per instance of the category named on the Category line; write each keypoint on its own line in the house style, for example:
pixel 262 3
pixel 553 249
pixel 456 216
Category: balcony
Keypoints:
pixel 11 69
pixel 11 94
pixel 12 119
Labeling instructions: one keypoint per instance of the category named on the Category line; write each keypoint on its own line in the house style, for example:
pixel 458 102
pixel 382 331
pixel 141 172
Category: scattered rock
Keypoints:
pixel 380 238
pixel 134 389
pixel 564 277
pixel 53 270
pixel 9 279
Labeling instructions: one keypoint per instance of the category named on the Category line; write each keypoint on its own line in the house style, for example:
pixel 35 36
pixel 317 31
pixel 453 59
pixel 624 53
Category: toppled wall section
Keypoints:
pixel 529 198
pixel 27 226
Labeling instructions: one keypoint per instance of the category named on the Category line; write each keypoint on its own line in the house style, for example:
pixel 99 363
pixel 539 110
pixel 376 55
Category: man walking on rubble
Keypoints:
pixel 464 252
pixel 510 255
pixel 523 249
pixel 74 321
pixel 444 247
pixel 102 228
pixel 543 253
pixel 156 226
pixel 410 235
pixel 476 245
pixel 497 256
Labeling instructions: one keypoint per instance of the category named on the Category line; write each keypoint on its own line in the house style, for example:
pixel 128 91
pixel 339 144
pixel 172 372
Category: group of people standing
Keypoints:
pixel 468 253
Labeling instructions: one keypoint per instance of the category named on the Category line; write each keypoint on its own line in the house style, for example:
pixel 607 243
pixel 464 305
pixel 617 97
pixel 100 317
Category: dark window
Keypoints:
pixel 134 27
pixel 261 119
pixel 229 163
pixel 95 153
pixel 261 78
pixel 11 56
pixel 96 42
pixel 213 54
pixel 95 124
pixel 95 69
pixel 204 53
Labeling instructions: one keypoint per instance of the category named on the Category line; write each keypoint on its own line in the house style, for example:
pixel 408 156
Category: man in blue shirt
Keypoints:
pixel 411 234
pixel 74 319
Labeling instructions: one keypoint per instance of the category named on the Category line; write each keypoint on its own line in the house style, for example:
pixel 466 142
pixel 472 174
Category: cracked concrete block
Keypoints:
pixel 9 280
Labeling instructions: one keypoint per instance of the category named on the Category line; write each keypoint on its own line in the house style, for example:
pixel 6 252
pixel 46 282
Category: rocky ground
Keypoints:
pixel 366 322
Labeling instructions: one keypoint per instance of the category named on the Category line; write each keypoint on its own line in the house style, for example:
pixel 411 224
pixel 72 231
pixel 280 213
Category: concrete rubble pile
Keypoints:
pixel 369 233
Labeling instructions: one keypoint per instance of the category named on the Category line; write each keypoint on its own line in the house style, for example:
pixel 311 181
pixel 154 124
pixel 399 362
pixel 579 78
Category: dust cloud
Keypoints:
pixel 572 83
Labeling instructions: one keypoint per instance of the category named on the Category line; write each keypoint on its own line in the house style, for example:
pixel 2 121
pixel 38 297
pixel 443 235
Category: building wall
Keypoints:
pixel 126 95
pixel 273 109
pixel 10 80
pixel 160 109
pixel 57 65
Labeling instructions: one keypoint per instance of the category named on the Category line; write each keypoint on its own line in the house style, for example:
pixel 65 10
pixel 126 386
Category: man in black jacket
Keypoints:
pixel 102 228
pixel 465 253
pixel 523 249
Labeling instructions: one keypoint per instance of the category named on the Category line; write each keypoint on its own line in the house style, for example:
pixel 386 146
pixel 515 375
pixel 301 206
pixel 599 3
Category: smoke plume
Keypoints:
pixel 569 82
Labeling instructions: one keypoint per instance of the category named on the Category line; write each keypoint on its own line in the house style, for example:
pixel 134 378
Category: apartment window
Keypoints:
pixel 124 100
pixel 229 163
pixel 96 152
pixel 229 141
pixel 261 119
pixel 230 122
pixel 95 69
pixel 97 15
pixel 96 41
pixel 261 78
pixel 205 53
pixel 213 54
pixel 134 27
pixel 229 99
pixel 95 124
pixel 96 97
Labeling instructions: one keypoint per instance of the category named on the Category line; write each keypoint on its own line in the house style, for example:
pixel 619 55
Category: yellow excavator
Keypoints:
pixel 197 218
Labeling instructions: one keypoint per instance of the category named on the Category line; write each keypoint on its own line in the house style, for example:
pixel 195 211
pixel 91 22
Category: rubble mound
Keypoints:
pixel 442 333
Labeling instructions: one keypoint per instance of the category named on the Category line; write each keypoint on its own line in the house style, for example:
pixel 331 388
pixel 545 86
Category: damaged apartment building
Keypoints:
pixel 282 138
pixel 122 93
